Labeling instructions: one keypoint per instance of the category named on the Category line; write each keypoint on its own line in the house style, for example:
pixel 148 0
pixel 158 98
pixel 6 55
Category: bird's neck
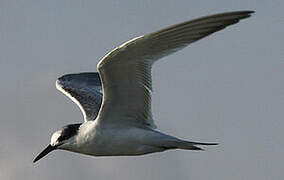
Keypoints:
pixel 87 130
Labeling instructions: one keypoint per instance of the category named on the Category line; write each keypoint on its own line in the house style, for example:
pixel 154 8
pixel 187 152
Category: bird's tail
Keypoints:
pixel 188 145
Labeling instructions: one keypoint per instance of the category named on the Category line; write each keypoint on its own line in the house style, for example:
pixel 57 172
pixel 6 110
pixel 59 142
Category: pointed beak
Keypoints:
pixel 47 150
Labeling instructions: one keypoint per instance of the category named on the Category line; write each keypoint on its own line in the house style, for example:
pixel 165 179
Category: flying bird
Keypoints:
pixel 116 101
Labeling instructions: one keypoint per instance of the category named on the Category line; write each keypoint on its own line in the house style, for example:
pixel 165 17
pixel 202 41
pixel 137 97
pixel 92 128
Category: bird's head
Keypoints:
pixel 61 139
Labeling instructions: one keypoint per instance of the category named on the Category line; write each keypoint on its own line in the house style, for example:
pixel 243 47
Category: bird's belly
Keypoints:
pixel 120 143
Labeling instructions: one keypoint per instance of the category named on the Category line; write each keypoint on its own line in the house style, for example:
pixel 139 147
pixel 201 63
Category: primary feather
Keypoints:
pixel 126 71
pixel 85 90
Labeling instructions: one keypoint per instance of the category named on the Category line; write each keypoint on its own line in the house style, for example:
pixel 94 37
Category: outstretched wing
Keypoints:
pixel 85 90
pixel 126 71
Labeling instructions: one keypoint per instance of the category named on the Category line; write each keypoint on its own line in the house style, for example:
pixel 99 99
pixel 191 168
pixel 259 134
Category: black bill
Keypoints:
pixel 47 150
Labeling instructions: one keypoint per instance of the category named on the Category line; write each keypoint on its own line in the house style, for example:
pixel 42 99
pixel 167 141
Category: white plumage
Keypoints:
pixel 119 121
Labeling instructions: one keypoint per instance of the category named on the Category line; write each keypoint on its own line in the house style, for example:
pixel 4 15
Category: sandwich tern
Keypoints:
pixel 116 101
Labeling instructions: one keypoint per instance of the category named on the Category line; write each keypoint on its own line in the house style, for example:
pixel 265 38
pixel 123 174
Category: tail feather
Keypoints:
pixel 189 145
pixel 203 144
pixel 194 148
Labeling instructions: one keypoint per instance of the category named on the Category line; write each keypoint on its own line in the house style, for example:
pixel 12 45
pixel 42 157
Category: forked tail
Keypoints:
pixel 189 145
pixel 192 145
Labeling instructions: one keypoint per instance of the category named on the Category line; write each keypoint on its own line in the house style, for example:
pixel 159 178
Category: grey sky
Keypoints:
pixel 226 88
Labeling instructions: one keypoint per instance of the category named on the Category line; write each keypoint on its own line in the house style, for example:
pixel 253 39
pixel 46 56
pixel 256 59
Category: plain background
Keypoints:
pixel 227 88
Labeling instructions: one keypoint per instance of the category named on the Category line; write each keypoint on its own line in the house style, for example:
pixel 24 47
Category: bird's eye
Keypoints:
pixel 62 138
